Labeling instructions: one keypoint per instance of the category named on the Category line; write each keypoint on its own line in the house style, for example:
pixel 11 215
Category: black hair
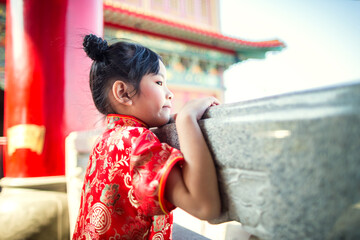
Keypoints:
pixel 123 60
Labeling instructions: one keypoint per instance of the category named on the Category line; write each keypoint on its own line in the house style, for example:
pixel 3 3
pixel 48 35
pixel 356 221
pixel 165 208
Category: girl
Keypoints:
pixel 133 181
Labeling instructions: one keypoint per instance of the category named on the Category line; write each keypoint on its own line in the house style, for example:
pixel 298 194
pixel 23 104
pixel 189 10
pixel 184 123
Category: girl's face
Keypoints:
pixel 152 104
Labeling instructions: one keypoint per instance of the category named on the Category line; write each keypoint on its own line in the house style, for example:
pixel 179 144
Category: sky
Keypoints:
pixel 322 39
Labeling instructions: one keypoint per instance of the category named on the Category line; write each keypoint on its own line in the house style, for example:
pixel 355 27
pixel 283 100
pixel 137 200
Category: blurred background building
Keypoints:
pixel 185 33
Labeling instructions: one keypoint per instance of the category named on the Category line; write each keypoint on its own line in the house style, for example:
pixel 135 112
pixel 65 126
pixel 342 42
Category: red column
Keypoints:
pixel 42 81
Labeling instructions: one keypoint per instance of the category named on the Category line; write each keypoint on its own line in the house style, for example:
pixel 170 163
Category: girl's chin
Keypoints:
pixel 160 122
pixel 165 121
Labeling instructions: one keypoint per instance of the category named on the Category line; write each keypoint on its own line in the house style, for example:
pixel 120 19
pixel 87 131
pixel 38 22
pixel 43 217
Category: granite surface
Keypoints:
pixel 288 165
pixel 33 214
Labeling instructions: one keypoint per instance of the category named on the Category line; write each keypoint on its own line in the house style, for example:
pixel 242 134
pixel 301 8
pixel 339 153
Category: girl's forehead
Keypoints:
pixel 162 70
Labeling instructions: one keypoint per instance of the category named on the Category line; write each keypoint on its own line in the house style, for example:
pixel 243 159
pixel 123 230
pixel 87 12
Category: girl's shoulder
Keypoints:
pixel 129 134
pixel 124 130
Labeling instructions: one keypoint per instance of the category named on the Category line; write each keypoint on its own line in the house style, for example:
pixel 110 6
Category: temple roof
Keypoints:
pixel 130 19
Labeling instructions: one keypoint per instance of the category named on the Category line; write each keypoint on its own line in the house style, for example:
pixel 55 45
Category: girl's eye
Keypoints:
pixel 159 83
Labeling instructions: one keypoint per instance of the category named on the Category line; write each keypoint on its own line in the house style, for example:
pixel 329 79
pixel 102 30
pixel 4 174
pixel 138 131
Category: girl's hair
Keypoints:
pixel 125 61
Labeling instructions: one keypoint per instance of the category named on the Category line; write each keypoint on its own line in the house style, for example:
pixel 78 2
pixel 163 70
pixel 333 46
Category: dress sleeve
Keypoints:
pixel 150 164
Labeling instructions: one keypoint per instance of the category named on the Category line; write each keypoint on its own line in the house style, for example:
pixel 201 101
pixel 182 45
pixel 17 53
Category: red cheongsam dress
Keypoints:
pixel 123 192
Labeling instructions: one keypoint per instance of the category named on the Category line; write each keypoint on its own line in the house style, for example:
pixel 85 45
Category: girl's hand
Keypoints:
pixel 197 107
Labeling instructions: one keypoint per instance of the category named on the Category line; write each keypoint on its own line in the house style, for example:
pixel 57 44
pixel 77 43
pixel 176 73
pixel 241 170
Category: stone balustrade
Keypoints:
pixel 289 165
pixel 34 208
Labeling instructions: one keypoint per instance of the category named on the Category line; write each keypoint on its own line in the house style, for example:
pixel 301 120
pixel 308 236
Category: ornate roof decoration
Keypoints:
pixel 117 15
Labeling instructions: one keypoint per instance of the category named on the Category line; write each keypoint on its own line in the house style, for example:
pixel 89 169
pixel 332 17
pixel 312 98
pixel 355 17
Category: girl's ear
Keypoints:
pixel 121 93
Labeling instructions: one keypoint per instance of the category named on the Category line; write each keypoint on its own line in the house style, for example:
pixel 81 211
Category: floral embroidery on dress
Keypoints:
pixel 136 228
pixel 93 165
pixel 117 168
pixel 159 222
pixel 158 236
pixel 123 192
pixel 89 232
pixel 110 194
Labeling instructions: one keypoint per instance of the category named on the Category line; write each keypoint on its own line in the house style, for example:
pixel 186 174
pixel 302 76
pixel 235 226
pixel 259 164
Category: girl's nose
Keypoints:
pixel 170 95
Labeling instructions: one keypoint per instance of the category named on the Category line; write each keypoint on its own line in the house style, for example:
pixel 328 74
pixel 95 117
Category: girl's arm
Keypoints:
pixel 194 187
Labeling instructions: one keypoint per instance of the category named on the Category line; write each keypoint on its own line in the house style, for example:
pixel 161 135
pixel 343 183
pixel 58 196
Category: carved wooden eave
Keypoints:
pixel 116 15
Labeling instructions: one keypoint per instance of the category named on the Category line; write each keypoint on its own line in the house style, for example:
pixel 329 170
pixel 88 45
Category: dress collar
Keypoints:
pixel 113 120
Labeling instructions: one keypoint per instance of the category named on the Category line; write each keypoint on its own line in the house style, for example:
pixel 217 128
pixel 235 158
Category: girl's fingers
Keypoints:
pixel 197 107
pixel 215 102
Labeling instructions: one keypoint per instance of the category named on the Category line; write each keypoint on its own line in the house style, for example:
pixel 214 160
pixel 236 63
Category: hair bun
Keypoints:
pixel 95 47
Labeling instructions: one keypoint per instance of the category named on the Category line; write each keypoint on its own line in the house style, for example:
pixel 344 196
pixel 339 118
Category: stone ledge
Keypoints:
pixel 52 183
pixel 33 214
pixel 288 165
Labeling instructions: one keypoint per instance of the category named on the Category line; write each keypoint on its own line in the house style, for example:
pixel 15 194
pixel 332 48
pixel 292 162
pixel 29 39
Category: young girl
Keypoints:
pixel 133 181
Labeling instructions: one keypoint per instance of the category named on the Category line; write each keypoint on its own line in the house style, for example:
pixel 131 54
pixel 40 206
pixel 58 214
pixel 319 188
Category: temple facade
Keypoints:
pixel 186 34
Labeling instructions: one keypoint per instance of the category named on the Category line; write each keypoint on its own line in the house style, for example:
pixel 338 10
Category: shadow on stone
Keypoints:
pixel 181 233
